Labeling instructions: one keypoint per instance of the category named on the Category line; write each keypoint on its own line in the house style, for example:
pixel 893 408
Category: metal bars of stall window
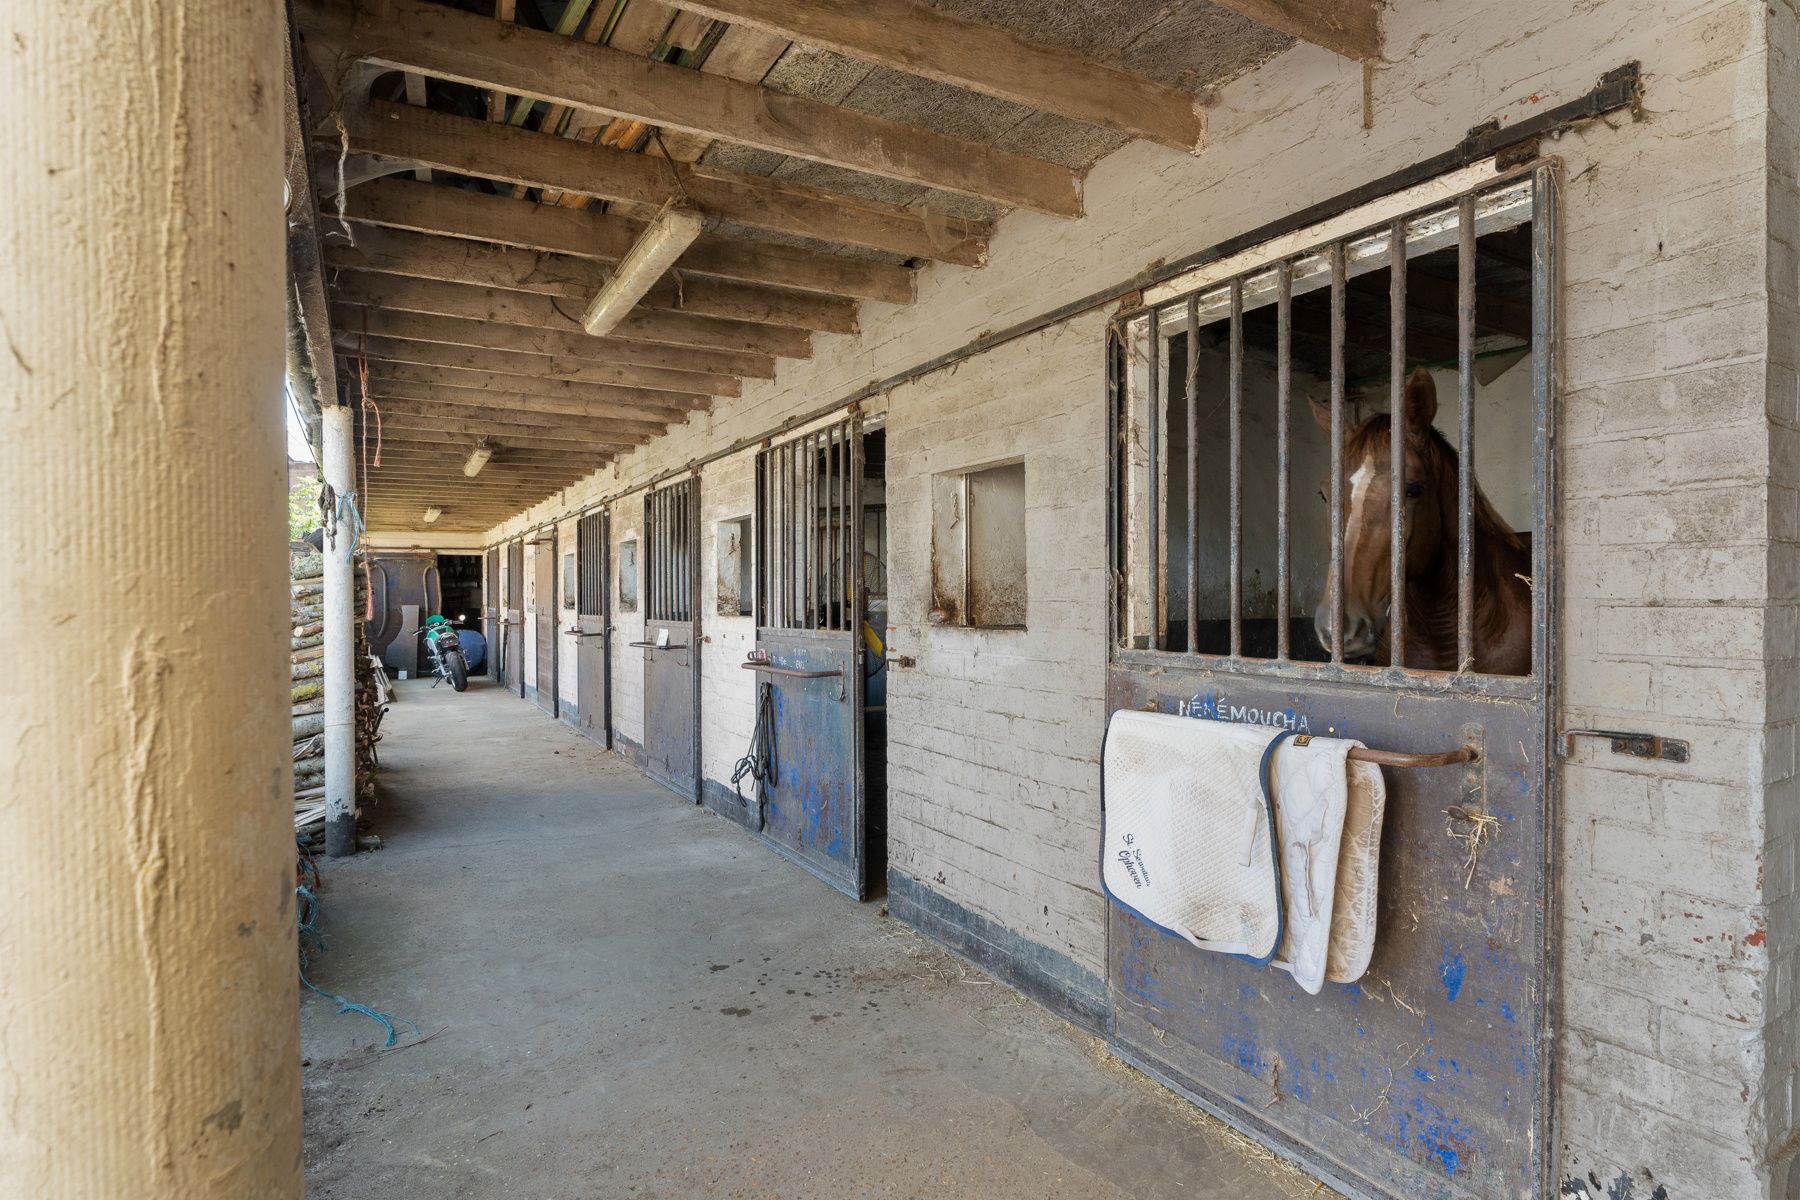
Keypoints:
pixel 1398 433
pixel 806 499
pixel 669 523
pixel 590 563
pixel 1390 240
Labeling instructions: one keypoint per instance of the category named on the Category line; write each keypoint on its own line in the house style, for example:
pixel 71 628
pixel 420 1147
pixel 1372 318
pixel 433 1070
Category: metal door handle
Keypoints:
pixel 1402 758
pixel 791 673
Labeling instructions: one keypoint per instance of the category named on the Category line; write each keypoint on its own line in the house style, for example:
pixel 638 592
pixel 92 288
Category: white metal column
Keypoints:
pixel 339 467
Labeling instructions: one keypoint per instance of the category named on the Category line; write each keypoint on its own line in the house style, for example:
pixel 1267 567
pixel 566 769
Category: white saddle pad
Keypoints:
pixel 1311 796
pixel 1185 835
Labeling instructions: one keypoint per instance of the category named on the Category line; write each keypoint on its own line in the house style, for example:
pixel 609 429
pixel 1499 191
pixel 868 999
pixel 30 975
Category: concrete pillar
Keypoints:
pixel 337 450
pixel 149 1045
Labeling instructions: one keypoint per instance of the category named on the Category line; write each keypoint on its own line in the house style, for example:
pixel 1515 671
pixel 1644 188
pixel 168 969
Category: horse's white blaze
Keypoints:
pixel 1355 535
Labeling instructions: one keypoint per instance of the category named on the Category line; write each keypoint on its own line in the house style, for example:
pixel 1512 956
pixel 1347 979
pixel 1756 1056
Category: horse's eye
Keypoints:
pixel 1414 490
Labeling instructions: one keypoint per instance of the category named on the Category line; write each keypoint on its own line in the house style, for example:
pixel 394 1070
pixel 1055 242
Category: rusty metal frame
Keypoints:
pixel 1392 674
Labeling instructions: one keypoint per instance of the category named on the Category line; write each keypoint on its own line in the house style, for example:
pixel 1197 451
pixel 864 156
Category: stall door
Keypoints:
pixel 593 633
pixel 671 637
pixel 1425 1076
pixel 809 623
pixel 490 608
pixel 513 637
pixel 547 631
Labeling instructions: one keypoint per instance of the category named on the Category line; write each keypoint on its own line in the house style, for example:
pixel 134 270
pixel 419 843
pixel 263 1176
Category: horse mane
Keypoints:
pixel 1376 433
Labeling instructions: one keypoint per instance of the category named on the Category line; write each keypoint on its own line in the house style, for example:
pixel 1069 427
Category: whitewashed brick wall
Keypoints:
pixel 1679 516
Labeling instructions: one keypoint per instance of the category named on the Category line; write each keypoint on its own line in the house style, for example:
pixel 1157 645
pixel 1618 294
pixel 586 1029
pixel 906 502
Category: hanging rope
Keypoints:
pixel 759 764
pixel 673 169
pixel 369 405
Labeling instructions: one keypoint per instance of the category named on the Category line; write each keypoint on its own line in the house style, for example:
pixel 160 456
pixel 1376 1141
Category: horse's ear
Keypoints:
pixel 1421 402
pixel 1321 414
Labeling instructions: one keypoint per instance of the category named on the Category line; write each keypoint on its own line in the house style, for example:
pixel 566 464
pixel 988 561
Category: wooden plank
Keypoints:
pixel 742 53
pixel 517 308
pixel 421 467
pixel 504 11
pixel 352 321
pixel 456 212
pixel 639 30
pixel 478 408
pixel 468 147
pixel 404 399
pixel 458 260
pixel 467 48
pixel 415 95
pixel 647 405
pixel 920 40
pixel 409 417
pixel 508 466
pixel 384 390
pixel 457 430
pixel 1351 28
pixel 678 385
pixel 558 118
pixel 543 463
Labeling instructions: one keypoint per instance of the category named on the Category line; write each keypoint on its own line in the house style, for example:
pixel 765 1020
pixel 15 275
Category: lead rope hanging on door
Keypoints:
pixel 759 764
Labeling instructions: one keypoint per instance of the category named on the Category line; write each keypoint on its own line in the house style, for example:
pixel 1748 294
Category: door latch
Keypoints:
pixel 1638 745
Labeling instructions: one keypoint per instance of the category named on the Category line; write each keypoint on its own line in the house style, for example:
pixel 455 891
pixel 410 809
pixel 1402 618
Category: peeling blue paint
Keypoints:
pixel 1451 970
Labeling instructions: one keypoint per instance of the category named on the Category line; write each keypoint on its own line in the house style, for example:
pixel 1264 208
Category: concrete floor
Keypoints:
pixel 626 997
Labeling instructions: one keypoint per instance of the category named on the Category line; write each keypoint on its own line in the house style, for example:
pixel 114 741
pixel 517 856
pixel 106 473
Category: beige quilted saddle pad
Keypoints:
pixel 1359 865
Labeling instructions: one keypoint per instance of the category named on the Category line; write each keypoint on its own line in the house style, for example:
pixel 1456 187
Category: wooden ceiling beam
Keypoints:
pixel 1351 28
pixel 352 322
pixel 458 260
pixel 462 213
pixel 920 40
pixel 626 417
pixel 468 48
pixel 676 384
pixel 508 466
pixel 399 293
pixel 449 476
pixel 410 411
pixel 441 479
pixel 630 403
pixel 530 159
pixel 401 452
pixel 502 434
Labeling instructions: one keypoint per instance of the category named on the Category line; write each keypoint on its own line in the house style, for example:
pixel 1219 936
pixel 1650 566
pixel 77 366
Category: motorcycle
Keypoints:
pixel 445 651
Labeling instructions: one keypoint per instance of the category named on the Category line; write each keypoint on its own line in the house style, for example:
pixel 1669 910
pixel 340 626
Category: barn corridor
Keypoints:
pixel 629 997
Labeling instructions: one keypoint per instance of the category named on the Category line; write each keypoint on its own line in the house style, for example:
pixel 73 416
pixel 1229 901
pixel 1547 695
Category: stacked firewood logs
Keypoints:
pixel 307 645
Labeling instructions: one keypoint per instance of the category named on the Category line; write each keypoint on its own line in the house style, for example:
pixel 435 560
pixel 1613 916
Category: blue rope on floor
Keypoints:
pixel 306 913
pixel 345 1006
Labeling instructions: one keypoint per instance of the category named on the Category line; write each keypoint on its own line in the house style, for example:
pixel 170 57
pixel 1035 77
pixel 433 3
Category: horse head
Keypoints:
pixel 1430 499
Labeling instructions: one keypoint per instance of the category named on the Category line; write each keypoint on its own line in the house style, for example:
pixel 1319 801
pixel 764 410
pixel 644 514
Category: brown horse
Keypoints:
pixel 1502 559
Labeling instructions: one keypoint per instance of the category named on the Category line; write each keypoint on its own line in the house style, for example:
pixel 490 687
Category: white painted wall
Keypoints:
pixel 1678 880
